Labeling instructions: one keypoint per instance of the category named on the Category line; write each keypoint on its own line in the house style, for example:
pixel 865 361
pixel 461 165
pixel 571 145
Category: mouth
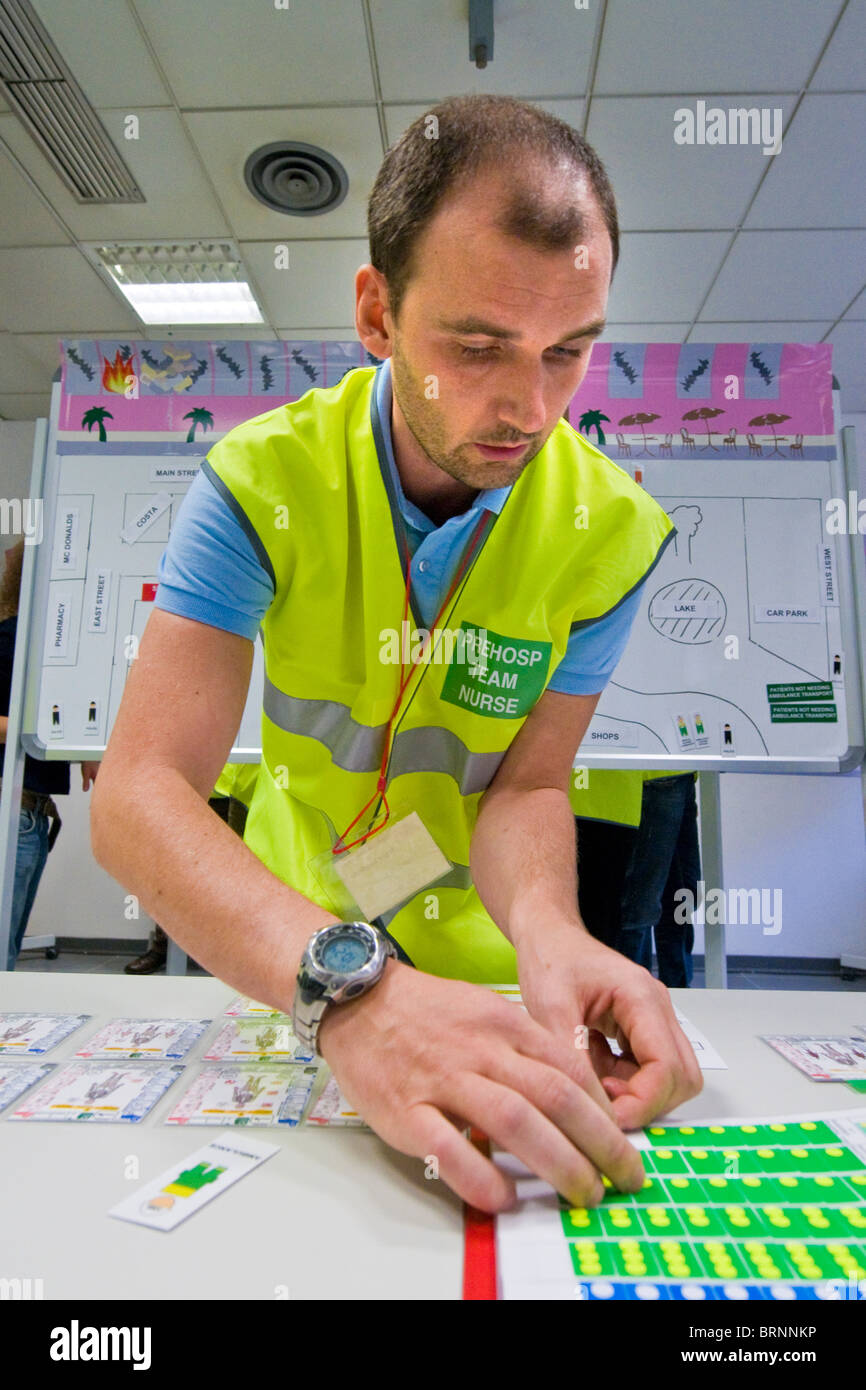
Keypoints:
pixel 500 451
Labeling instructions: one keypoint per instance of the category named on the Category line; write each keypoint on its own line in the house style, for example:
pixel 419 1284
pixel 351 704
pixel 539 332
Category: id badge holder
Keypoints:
pixel 383 872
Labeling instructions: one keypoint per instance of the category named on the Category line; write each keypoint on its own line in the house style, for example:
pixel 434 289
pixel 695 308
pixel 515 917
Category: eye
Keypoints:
pixel 480 354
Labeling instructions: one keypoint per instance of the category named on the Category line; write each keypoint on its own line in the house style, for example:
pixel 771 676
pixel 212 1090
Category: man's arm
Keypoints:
pixel 413 1052
pixel 524 868
pixel 151 826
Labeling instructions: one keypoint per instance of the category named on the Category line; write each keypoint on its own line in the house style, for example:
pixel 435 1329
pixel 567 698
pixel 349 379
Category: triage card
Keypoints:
pixel 839 1058
pixel 121 1091
pixel 332 1108
pixel 18 1077
pixel 152 1038
pixel 245 1095
pixel 188 1185
pixel 258 1040
pixel 28 1035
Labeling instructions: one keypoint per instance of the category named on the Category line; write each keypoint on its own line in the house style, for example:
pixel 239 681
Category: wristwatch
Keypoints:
pixel 340 963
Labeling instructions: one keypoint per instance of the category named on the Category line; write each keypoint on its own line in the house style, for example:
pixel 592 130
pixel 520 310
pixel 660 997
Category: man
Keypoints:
pixel 477 301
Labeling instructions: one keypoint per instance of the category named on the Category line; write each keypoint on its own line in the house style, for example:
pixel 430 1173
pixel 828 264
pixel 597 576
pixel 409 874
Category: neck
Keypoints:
pixel 427 486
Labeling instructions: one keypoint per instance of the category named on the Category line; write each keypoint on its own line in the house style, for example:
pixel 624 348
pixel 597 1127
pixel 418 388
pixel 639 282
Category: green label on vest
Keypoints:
pixel 501 677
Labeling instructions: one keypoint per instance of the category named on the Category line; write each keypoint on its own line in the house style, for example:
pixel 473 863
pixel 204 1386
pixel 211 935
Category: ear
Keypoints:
pixel 373 322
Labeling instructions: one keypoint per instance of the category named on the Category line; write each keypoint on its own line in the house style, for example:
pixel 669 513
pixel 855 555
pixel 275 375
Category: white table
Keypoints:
pixel 336 1214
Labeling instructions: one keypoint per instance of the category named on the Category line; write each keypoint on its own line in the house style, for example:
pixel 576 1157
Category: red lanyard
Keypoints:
pixel 382 782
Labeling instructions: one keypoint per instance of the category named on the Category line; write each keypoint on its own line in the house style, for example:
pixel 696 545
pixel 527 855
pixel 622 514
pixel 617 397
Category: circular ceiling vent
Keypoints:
pixel 289 176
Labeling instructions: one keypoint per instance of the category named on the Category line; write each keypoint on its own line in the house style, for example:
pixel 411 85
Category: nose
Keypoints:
pixel 522 404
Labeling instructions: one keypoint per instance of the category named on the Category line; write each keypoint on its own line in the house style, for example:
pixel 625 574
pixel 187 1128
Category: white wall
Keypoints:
pixel 802 835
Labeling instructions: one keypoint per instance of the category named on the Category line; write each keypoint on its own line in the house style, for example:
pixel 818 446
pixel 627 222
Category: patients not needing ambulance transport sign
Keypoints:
pixel 501 677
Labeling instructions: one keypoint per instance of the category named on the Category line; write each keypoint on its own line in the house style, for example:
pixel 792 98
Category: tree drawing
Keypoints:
pixel 95 416
pixel 591 420
pixel 199 416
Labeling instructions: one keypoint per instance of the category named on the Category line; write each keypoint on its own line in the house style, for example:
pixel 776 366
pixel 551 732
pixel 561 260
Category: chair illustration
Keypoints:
pixel 755 448
pixel 666 447
pixel 797 446
pixel 623 445
pixel 730 440
pixel 688 440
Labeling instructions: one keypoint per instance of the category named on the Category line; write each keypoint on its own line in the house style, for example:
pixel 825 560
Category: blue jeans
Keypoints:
pixel 30 860
pixel 666 857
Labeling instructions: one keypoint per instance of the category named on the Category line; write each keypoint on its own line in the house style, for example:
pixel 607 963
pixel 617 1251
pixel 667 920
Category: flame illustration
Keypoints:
pixel 114 373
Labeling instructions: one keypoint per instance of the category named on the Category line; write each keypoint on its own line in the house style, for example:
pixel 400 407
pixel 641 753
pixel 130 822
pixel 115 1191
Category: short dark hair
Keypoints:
pixel 475 134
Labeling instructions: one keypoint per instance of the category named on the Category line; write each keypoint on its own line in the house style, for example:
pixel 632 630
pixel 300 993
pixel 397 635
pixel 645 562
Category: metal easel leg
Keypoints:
pixel 712 873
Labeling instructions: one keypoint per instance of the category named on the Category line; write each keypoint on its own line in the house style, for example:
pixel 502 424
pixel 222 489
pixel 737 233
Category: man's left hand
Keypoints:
pixel 88 775
pixel 581 990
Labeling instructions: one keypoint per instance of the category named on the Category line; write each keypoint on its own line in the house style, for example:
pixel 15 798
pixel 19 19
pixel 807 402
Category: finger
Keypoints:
pixel 513 1122
pixel 425 1133
pixel 570 1106
pixel 534 1040
pixel 665 1074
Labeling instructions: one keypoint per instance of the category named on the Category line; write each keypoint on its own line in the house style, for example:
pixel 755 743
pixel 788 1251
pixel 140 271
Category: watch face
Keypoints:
pixel 345 953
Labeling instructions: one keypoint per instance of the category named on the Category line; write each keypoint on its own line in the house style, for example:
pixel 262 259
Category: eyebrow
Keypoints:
pixel 492 330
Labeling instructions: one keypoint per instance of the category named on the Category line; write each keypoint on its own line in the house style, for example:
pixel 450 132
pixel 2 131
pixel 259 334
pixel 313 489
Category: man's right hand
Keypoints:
pixel 420 1057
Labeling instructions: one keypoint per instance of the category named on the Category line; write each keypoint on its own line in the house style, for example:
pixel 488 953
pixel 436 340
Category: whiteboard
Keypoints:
pixel 739 654
pixel 743 657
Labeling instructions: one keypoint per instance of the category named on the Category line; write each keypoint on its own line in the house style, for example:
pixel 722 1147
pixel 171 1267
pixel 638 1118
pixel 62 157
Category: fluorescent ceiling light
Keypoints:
pixel 171 283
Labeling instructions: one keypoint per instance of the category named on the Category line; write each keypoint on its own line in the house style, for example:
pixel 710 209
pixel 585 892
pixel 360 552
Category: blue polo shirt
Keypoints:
pixel 209 571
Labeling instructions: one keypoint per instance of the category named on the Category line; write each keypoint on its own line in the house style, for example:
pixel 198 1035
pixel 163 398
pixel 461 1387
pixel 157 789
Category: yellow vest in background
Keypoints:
pixel 574 536
pixel 613 794
pixel 237 780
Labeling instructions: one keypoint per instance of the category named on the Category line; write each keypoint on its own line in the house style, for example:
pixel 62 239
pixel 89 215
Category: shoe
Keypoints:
pixel 146 964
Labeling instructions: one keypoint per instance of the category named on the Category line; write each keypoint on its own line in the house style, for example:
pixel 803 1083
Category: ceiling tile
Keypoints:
pixel 794 274
pixel 858 308
pixel 103 48
pixel 664 275
pixel 818 178
pixel 677 46
pixel 19 369
pixel 399 117
pixel 659 183
pixel 849 363
pixel 804 331
pixel 538 50
pixel 317 288
pixel 53 289
pixel 229 54
pixel 18 406
pixel 225 139
pixel 165 166
pixel 44 348
pixel 25 221
pixel 841 68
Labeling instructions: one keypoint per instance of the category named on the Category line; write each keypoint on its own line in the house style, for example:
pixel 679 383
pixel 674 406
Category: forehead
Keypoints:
pixel 462 243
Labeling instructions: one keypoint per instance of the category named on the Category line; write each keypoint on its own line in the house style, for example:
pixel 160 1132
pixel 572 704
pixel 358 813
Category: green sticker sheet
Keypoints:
pixel 730 1209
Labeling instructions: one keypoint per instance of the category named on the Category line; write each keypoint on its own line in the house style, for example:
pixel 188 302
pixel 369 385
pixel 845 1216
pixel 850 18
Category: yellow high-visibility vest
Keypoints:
pixel 575 536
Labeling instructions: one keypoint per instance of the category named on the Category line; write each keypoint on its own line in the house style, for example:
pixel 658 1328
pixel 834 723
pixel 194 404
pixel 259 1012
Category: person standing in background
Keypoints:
pixel 42 780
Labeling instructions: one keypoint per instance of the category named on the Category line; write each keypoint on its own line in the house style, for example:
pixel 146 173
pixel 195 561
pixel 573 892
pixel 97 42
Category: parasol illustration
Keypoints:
pixel 705 412
pixel 641 418
pixel 771 420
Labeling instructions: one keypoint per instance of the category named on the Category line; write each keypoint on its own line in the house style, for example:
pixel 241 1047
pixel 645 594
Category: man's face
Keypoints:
pixel 459 386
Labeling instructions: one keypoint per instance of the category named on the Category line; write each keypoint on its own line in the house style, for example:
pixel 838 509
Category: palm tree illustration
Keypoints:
pixel 199 416
pixel 95 416
pixel 591 420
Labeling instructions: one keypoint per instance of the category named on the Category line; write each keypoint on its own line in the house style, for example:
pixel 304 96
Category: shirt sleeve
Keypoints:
pixel 594 651
pixel 209 571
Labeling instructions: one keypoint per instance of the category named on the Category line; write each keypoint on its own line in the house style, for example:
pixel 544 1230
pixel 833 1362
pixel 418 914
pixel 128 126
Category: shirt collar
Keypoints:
pixel 489 499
